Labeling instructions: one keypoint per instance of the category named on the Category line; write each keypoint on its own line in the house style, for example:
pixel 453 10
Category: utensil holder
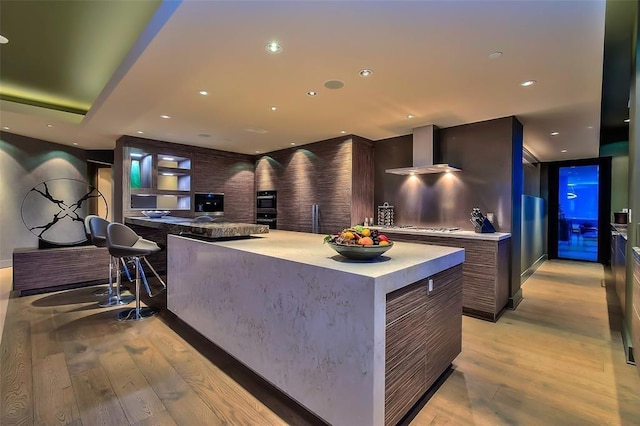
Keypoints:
pixel 385 214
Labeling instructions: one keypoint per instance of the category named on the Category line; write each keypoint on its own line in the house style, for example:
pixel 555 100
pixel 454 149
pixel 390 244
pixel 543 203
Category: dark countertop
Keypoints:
pixel 182 225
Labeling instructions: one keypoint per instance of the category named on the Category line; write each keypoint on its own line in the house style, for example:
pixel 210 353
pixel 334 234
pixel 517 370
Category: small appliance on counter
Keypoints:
pixel 480 222
pixel 385 215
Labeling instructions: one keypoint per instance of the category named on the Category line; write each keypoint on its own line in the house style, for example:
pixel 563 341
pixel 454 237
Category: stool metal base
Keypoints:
pixel 113 301
pixel 136 314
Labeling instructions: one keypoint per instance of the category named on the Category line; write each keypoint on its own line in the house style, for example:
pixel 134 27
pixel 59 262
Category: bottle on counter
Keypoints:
pixel 366 221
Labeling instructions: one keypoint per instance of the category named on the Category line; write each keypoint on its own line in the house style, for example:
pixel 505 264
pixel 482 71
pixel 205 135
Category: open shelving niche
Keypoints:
pixel 159 181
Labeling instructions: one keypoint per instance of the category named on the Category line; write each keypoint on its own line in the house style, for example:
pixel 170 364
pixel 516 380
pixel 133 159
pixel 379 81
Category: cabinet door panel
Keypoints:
pixel 444 321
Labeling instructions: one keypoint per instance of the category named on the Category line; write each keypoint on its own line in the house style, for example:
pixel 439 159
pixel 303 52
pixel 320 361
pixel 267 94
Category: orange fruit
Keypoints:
pixel 365 241
pixel 384 243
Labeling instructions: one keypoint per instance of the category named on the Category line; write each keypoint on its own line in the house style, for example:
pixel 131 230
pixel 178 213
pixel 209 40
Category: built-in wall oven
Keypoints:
pixel 266 208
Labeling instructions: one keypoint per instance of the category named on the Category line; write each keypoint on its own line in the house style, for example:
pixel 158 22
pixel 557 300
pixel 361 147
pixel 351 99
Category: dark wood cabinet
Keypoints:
pixel 635 320
pixel 335 174
pixel 423 337
pixel 485 290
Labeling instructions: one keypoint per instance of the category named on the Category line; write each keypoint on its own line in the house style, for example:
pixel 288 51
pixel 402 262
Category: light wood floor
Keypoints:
pixel 556 360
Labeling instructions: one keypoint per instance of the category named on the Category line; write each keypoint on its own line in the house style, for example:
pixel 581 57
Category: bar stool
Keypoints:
pixel 87 231
pixel 98 233
pixel 123 242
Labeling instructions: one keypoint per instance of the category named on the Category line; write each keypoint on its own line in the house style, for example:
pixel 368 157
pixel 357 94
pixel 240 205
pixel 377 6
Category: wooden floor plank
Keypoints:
pixel 181 402
pixel 137 398
pixel 216 389
pixel 54 399
pixel 162 418
pixel 97 401
pixel 16 391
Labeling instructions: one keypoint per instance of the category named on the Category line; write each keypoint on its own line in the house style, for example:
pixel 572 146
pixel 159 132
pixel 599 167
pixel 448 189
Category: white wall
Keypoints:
pixel 24 163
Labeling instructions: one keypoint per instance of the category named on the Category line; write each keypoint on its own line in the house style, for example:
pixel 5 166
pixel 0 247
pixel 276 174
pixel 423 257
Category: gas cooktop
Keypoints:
pixel 424 228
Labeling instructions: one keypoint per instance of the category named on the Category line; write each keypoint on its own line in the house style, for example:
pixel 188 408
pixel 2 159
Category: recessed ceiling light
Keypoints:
pixel 136 154
pixel 343 131
pixel 555 133
pixel 168 158
pixel 495 55
pixel 257 152
pixel 49 125
pixel 564 150
pixel 365 73
pixel 75 144
pixel 528 83
pixel 312 93
pixel 203 92
pixel 3 40
pixel 6 127
pixel 274 108
pixel 627 120
pixel 410 116
pixel 273 47
pixel 165 116
pixel 293 143
pixel 589 127
pixel 140 132
pixel 167 174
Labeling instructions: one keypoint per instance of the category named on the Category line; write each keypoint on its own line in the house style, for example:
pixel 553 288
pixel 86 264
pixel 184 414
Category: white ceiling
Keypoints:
pixel 429 59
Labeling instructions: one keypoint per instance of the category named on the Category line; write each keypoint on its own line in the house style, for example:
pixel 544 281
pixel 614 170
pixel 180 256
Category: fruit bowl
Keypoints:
pixel 356 252
pixel 155 214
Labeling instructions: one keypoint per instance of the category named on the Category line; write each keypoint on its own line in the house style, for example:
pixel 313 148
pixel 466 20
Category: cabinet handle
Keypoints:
pixel 430 287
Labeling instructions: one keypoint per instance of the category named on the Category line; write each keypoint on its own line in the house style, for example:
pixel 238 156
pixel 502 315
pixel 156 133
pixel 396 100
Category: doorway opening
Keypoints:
pixel 578 194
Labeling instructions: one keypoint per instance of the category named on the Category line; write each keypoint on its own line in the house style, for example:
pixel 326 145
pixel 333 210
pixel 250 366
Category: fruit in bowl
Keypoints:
pixel 359 242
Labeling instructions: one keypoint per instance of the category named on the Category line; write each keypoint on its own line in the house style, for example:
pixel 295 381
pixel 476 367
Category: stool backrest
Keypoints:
pixel 119 235
pixel 98 231
pixel 87 229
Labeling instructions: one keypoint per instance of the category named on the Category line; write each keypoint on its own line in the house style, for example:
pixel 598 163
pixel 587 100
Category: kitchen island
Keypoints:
pixel 356 343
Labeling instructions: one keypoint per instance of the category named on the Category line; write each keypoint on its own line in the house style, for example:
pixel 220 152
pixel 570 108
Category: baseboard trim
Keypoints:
pixel 8 263
pixel 515 300
pixel 531 269
pixel 628 347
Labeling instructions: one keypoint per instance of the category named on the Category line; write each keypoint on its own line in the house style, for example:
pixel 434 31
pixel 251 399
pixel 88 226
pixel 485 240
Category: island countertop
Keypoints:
pixel 180 225
pixel 403 263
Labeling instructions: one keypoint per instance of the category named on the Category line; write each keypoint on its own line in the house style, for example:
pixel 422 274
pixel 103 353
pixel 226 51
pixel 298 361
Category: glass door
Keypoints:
pixel 578 212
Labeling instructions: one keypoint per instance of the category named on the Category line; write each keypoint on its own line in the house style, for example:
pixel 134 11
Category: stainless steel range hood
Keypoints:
pixel 423 143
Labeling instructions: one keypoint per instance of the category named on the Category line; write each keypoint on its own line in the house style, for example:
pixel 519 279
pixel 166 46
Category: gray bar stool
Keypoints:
pixel 123 242
pixel 98 233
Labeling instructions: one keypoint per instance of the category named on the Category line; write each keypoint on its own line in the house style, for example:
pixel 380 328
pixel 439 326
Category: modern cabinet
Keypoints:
pixel 336 175
pixel 619 267
pixel 485 271
pixel 423 337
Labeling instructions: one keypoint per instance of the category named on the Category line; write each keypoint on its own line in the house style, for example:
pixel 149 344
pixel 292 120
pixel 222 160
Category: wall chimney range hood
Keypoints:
pixel 424 139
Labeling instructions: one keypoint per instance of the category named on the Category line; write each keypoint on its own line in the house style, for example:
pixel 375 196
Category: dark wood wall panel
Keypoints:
pixel 211 171
pixel 319 173
pixel 362 180
pixel 485 271
pixel 35 269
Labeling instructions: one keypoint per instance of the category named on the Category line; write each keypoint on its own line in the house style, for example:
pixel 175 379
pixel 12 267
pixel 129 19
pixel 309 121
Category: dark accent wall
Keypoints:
pixel 490 156
pixel 24 163
pixel 336 174
pixel 211 171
